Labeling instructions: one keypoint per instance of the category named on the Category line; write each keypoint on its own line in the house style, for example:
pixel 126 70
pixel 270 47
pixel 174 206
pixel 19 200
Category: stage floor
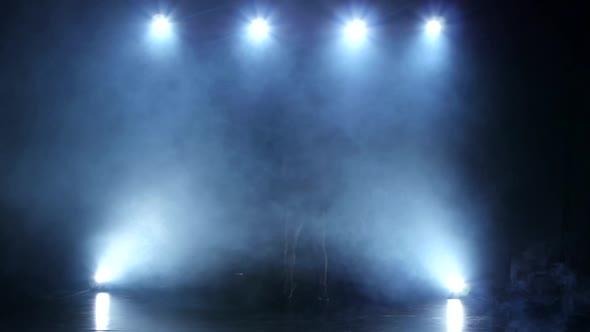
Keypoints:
pixel 90 311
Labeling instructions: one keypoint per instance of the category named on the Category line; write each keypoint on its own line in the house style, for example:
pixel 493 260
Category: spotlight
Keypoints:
pixel 456 285
pixel 355 31
pixel 258 29
pixel 434 26
pixel 161 27
pixel 102 276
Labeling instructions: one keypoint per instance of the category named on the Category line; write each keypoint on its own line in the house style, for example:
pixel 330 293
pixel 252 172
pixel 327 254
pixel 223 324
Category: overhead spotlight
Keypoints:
pixel 355 31
pixel 161 27
pixel 258 29
pixel 434 26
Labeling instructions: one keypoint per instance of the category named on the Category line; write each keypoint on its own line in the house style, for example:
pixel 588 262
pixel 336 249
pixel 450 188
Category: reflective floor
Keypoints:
pixel 112 312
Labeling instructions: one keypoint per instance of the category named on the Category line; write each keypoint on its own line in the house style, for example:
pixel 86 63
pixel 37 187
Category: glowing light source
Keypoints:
pixel 101 311
pixel 355 31
pixel 456 285
pixel 455 315
pixel 433 26
pixel 258 29
pixel 103 275
pixel 161 27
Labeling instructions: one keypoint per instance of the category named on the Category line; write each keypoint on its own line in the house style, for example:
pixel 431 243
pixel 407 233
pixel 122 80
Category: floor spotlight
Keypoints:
pixel 102 276
pixel 457 286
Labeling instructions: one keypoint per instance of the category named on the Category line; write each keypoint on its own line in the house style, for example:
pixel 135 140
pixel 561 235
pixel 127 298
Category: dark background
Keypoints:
pixel 252 142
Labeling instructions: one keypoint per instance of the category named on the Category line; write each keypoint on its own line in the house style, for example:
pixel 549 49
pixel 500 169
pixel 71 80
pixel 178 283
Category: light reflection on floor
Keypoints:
pixel 452 319
pixel 146 312
pixel 102 304
pixel 455 315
